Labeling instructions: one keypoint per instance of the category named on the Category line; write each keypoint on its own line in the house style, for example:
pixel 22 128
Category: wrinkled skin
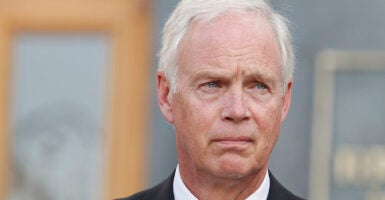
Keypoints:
pixel 228 107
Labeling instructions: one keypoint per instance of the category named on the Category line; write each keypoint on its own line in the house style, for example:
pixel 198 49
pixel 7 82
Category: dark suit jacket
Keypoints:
pixel 164 191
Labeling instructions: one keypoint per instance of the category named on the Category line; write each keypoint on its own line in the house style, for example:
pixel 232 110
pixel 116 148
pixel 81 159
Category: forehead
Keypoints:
pixel 231 35
pixel 231 24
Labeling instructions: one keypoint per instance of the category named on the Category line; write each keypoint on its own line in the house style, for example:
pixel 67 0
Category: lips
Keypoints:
pixel 233 141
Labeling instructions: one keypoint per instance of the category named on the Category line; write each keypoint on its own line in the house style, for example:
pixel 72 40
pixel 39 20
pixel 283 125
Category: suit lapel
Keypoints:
pixel 163 191
pixel 278 192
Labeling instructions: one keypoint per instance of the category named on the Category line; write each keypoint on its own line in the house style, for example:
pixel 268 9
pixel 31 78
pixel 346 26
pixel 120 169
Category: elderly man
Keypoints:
pixel 224 82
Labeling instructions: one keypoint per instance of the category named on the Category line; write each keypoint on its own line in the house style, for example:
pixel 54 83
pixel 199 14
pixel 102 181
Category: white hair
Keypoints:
pixel 190 11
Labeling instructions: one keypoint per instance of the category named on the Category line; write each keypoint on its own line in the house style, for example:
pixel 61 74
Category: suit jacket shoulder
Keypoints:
pixel 162 191
pixel 278 192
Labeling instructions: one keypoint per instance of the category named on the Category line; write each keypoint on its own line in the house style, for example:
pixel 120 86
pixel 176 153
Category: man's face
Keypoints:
pixel 229 106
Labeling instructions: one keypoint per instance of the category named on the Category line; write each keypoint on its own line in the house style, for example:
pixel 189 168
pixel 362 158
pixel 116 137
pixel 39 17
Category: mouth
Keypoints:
pixel 233 141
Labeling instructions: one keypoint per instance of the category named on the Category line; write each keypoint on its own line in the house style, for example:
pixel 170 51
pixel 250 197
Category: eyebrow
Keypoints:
pixel 209 74
pixel 250 73
pixel 256 72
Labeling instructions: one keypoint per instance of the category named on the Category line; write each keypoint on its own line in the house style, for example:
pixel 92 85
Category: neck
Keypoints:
pixel 208 187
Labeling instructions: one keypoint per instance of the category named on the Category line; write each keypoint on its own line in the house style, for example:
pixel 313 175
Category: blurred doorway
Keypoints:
pixel 73 93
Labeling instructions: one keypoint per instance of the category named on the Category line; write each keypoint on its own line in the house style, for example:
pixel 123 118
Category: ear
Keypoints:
pixel 164 96
pixel 286 100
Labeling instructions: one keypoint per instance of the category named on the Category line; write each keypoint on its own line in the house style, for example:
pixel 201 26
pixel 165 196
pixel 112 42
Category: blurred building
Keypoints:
pixel 84 71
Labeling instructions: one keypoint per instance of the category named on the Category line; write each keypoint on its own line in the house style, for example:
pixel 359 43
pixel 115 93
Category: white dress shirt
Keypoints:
pixel 181 192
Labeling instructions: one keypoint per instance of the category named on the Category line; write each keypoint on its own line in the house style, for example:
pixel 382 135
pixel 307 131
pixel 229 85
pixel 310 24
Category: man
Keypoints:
pixel 224 82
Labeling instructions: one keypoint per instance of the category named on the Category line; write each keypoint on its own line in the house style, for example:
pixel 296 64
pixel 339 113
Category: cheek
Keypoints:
pixel 195 112
pixel 268 121
pixel 193 120
pixel 267 117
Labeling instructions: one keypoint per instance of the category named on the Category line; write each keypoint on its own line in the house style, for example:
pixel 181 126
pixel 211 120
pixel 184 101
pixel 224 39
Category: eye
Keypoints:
pixel 210 87
pixel 261 86
pixel 212 84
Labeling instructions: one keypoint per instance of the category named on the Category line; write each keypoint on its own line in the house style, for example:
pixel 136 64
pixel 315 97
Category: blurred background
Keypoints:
pixel 79 104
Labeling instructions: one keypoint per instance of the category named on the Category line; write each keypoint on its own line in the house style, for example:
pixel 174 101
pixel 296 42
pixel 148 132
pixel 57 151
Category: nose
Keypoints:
pixel 235 109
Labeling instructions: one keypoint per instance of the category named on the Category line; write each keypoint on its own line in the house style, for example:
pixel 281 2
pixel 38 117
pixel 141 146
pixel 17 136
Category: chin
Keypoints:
pixel 234 170
pixel 230 174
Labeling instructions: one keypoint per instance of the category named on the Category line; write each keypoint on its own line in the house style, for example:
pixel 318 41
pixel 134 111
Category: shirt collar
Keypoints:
pixel 181 192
